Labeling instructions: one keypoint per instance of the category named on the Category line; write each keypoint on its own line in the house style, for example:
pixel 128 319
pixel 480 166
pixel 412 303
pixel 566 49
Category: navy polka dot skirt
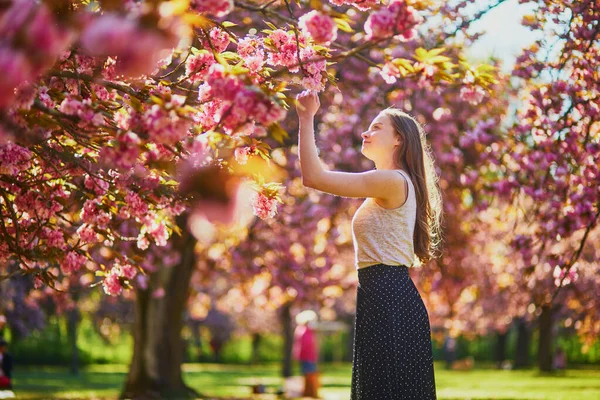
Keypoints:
pixel 392 358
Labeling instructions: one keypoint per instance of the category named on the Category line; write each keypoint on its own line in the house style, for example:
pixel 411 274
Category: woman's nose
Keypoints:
pixel 364 135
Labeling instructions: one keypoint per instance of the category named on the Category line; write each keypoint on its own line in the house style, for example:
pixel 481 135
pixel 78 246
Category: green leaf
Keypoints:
pixel 157 100
pixel 270 25
pixel 228 24
pixel 343 25
pixel 278 133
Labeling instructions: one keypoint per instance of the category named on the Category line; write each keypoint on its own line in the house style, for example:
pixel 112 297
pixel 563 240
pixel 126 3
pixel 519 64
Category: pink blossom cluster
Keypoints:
pixel 82 109
pixel 125 151
pixel 242 153
pixel 250 48
pixel 479 134
pixel 31 39
pixel 119 276
pixel 472 94
pixel 72 261
pixel 219 40
pixel 264 207
pixel 218 8
pixel 362 5
pixel 112 282
pixel 562 277
pixel 286 48
pixel 87 234
pixel 13 159
pixel 397 19
pixel 234 102
pixel 196 66
pixel 390 72
pixel 37 205
pixel 96 184
pixel 154 227
pixel 135 206
pixel 321 27
pixel 112 35
pixel 165 126
pixel 54 238
pixel 92 213
pixel 286 54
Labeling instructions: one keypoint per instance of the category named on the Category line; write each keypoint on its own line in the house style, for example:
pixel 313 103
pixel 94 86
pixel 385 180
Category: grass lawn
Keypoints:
pixel 105 381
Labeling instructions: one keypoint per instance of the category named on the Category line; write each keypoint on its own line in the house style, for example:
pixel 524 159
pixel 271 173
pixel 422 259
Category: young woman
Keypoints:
pixel 396 228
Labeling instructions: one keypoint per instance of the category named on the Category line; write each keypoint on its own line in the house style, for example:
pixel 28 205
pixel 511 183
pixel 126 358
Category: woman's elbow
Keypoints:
pixel 308 182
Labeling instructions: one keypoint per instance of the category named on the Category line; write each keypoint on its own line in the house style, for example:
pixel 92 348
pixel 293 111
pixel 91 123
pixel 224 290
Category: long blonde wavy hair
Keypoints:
pixel 414 154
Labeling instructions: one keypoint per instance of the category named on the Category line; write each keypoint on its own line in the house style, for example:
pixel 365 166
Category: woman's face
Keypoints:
pixel 380 140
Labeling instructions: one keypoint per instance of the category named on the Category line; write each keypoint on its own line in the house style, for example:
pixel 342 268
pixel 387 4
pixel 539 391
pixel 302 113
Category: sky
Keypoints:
pixel 505 36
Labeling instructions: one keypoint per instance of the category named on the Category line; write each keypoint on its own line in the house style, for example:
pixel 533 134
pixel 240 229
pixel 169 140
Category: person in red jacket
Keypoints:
pixel 306 351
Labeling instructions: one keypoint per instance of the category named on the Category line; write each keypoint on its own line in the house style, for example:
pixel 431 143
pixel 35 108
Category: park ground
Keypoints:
pixel 234 381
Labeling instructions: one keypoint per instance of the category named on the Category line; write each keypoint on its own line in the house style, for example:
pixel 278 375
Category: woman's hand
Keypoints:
pixel 308 104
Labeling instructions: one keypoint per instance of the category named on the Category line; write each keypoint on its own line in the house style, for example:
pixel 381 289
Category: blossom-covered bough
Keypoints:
pixel 105 104
pixel 126 125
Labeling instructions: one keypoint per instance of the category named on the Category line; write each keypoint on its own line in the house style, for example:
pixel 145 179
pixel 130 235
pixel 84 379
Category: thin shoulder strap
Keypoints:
pixel 404 174
pixel 407 179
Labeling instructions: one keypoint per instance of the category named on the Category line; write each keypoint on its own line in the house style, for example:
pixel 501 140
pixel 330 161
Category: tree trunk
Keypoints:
pixel 288 338
pixel 500 355
pixel 256 339
pixel 523 340
pixel 545 339
pixel 73 317
pixel 155 370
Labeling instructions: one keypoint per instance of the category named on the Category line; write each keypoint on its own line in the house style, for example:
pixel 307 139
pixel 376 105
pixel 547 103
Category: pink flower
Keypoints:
pixel 136 206
pixel 362 5
pixel 264 207
pixel 218 8
pixel 320 27
pixel 103 219
pixel 111 284
pixel 128 271
pixel 46 36
pixel 72 262
pixel 248 45
pixel 45 97
pixel 242 153
pixel 15 70
pixel 87 234
pixel 54 238
pixel 158 231
pixel 219 39
pixel 251 50
pixel 196 67
pixel 165 126
pixel 255 63
pixel 397 19
pixel 472 94
pixel 99 186
pixel 389 72
pixel 379 25
pixel 89 212
pixel 111 35
pixel 13 159
pixel 142 242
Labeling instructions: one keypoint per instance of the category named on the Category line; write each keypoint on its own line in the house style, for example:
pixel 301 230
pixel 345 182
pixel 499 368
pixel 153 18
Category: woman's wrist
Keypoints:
pixel 306 118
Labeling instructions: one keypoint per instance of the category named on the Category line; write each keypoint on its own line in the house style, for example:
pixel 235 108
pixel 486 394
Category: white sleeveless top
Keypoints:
pixel 385 236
